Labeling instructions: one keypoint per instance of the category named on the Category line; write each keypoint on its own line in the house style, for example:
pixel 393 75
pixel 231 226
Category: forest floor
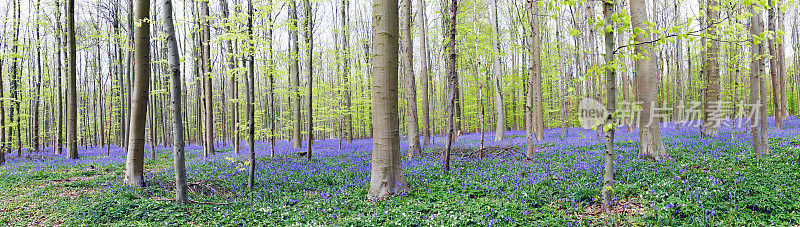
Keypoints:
pixel 706 181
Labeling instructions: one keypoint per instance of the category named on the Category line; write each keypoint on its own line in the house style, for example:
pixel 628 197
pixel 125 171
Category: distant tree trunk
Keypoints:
pixel 782 65
pixel 651 145
pixel 712 99
pixel 72 96
pixel 773 67
pixel 500 127
pixel 179 158
pixel 271 82
pixel 37 83
pixel 294 74
pixel 411 87
pixel 386 176
pixel 59 140
pixel 134 164
pixel 453 80
pixel 611 103
pixel 251 117
pixel 348 115
pixel 235 138
pixel 422 53
pixel 680 98
pixel 533 103
pixel 208 92
pixel 309 33
pixel 757 85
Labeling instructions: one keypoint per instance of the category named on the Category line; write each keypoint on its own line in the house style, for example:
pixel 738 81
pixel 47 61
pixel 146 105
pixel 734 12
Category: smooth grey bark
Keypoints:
pixel 309 33
pixel 173 57
pixel 251 118
pixel 651 145
pixel 348 115
pixel 611 103
pixel 712 98
pixel 423 71
pixel 38 82
pixel 59 140
pixel 773 66
pixel 533 102
pixel 497 79
pixel 294 74
pixel 134 163
pixel 208 92
pixel 386 176
pixel 233 80
pixel 410 82
pixel 72 88
pixel 452 76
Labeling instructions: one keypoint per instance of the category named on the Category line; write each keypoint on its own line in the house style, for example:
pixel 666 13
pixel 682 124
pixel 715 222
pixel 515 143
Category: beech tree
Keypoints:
pixel 134 164
pixel 410 82
pixel 650 143
pixel 179 159
pixel 72 87
pixel 386 176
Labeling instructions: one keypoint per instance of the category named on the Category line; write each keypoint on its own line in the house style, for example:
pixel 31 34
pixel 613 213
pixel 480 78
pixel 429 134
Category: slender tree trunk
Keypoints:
pixel 37 84
pixel 294 74
pixel 271 83
pixel 422 51
pixel 309 33
pixel 773 67
pixel 453 80
pixel 411 87
pixel 179 158
pixel 72 97
pixel 233 77
pixel 205 37
pixel 251 120
pixel 134 164
pixel 348 115
pixel 500 127
pixel 386 176
pixel 712 99
pixel 533 101
pixel 651 145
pixel 611 103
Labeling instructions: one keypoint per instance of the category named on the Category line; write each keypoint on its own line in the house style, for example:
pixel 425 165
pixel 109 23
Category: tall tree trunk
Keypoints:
pixel 453 80
pixel 773 66
pixel 59 144
pixel 712 99
pixel 251 120
pixel 309 33
pixel 386 176
pixel 294 74
pixel 134 164
pixel 422 52
pixel 680 98
pixel 411 87
pixel 756 83
pixel 173 57
pixel 272 108
pixel 232 77
pixel 348 115
pixel 533 103
pixel 208 92
pixel 500 127
pixel 651 145
pixel 611 103
pixel 37 83
pixel 72 94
